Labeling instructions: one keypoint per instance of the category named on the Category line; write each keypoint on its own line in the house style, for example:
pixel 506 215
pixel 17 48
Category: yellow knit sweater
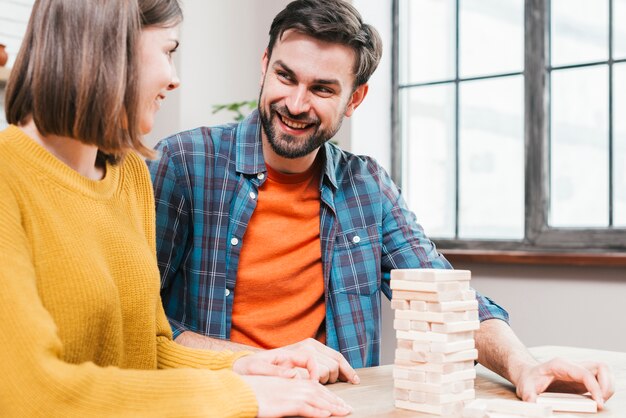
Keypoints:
pixel 83 330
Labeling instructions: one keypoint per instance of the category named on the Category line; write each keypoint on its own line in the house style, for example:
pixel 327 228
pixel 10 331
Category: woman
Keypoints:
pixel 84 331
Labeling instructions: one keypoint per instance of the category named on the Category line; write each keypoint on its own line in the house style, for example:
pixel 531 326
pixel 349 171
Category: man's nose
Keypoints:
pixel 298 100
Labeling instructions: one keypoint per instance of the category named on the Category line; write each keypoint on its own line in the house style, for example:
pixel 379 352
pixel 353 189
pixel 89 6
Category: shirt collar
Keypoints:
pixel 249 156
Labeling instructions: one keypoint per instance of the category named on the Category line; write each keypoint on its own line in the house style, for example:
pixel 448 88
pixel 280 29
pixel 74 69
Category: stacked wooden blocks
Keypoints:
pixel 436 314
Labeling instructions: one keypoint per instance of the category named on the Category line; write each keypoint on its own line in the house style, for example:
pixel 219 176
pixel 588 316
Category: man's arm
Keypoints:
pixel 195 340
pixel 331 365
pixel 501 351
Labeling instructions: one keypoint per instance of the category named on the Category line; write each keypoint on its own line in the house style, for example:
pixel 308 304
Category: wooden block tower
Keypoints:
pixel 436 314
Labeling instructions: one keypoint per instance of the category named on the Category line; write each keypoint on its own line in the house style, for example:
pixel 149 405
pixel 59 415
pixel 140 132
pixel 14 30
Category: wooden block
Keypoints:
pixel 475 409
pixel 452 357
pixel 402 304
pixel 458 295
pixel 438 317
pixel 568 402
pixel 453 347
pixel 463 375
pixel 431 275
pixel 429 336
pixel 452 387
pixel 402 324
pixel 415 286
pixel 401 394
pixel 418 397
pixel 439 398
pixel 453 306
pixel 442 368
pixel 408 373
pixel 525 409
pixel 451 327
pixel 445 409
pixel 420 325
pixel 418 305
pixel 406 344
pixel 422 346
pixel 471 315
pixel 410 355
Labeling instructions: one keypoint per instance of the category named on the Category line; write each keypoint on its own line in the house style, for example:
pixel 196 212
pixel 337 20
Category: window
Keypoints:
pixel 507 114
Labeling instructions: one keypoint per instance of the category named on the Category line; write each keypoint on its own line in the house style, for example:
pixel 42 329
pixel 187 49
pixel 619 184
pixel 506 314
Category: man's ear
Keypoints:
pixel 265 60
pixel 356 99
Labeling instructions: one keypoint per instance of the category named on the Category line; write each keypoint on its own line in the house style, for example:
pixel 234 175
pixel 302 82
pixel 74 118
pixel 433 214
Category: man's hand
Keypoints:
pixel 286 397
pixel 279 362
pixel 331 365
pixel 500 350
pixel 560 375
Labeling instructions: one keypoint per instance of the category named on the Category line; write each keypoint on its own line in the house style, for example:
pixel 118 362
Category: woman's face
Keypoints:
pixel 157 71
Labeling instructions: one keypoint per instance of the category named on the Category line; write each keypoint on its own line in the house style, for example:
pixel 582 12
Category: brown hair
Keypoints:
pixel 332 21
pixel 77 72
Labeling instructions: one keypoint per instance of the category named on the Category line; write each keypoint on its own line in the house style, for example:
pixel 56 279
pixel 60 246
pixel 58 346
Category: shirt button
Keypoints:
pixel 252 195
pixel 227 292
pixel 356 239
pixel 260 176
pixel 234 241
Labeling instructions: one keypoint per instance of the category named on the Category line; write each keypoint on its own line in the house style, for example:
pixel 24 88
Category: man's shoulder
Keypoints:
pixel 349 166
pixel 201 141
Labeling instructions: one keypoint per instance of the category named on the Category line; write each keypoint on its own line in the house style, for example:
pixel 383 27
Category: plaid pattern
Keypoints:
pixel 202 187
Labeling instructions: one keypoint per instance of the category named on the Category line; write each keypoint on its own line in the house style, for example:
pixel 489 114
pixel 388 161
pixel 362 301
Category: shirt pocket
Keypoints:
pixel 356 261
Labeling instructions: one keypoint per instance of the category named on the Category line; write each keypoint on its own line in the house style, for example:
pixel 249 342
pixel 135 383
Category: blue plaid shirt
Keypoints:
pixel 203 182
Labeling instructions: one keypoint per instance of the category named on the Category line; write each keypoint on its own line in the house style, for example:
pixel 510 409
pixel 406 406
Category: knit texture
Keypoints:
pixel 84 331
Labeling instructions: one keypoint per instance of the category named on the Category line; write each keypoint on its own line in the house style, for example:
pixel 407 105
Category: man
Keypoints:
pixel 269 235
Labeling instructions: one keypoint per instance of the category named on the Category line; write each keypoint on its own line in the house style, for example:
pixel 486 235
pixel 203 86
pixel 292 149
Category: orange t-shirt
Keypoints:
pixel 279 294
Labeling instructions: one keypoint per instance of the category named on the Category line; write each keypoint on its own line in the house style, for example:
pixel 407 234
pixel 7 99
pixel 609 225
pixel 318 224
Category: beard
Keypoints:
pixel 289 146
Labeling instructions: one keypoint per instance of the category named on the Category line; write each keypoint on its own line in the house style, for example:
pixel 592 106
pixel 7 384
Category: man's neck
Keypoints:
pixel 287 165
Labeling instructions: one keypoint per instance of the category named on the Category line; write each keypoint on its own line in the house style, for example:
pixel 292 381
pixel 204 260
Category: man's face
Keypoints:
pixel 307 89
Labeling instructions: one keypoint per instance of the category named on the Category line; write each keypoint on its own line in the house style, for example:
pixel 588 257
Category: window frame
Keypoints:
pixel 538 235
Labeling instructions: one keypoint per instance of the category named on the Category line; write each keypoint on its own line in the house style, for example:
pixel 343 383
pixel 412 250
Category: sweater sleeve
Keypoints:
pixel 36 381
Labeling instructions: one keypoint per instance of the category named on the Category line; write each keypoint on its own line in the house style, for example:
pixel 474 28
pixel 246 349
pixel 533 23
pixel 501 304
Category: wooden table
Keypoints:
pixel 373 397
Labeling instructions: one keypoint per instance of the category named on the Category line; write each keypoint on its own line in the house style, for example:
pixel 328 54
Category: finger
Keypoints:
pixel 268 369
pixel 346 372
pixel 577 373
pixel 303 374
pixel 299 359
pixel 605 380
pixel 325 399
pixel 306 410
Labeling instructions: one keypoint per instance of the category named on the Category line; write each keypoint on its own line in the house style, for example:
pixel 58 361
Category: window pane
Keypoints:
pixel 491 37
pixel 491 146
pixel 619 145
pixel 429 174
pixel 427 40
pixel 619 29
pixel 580 31
pixel 579 148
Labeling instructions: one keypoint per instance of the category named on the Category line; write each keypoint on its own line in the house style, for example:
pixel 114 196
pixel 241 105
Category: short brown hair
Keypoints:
pixel 332 21
pixel 77 73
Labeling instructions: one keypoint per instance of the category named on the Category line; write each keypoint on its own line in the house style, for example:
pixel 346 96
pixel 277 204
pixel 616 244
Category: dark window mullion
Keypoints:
pixel 611 197
pixel 536 119
pixel 456 121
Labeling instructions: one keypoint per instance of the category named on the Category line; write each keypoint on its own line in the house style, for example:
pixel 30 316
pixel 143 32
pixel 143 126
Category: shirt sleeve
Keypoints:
pixel 172 220
pixel 405 244
pixel 36 378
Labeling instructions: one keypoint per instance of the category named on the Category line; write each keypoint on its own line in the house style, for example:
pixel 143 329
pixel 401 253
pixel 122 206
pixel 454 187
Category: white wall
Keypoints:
pixel 219 62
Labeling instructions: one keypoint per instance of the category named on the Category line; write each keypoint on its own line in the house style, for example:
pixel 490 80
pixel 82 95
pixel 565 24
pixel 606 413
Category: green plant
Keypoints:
pixel 237 107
